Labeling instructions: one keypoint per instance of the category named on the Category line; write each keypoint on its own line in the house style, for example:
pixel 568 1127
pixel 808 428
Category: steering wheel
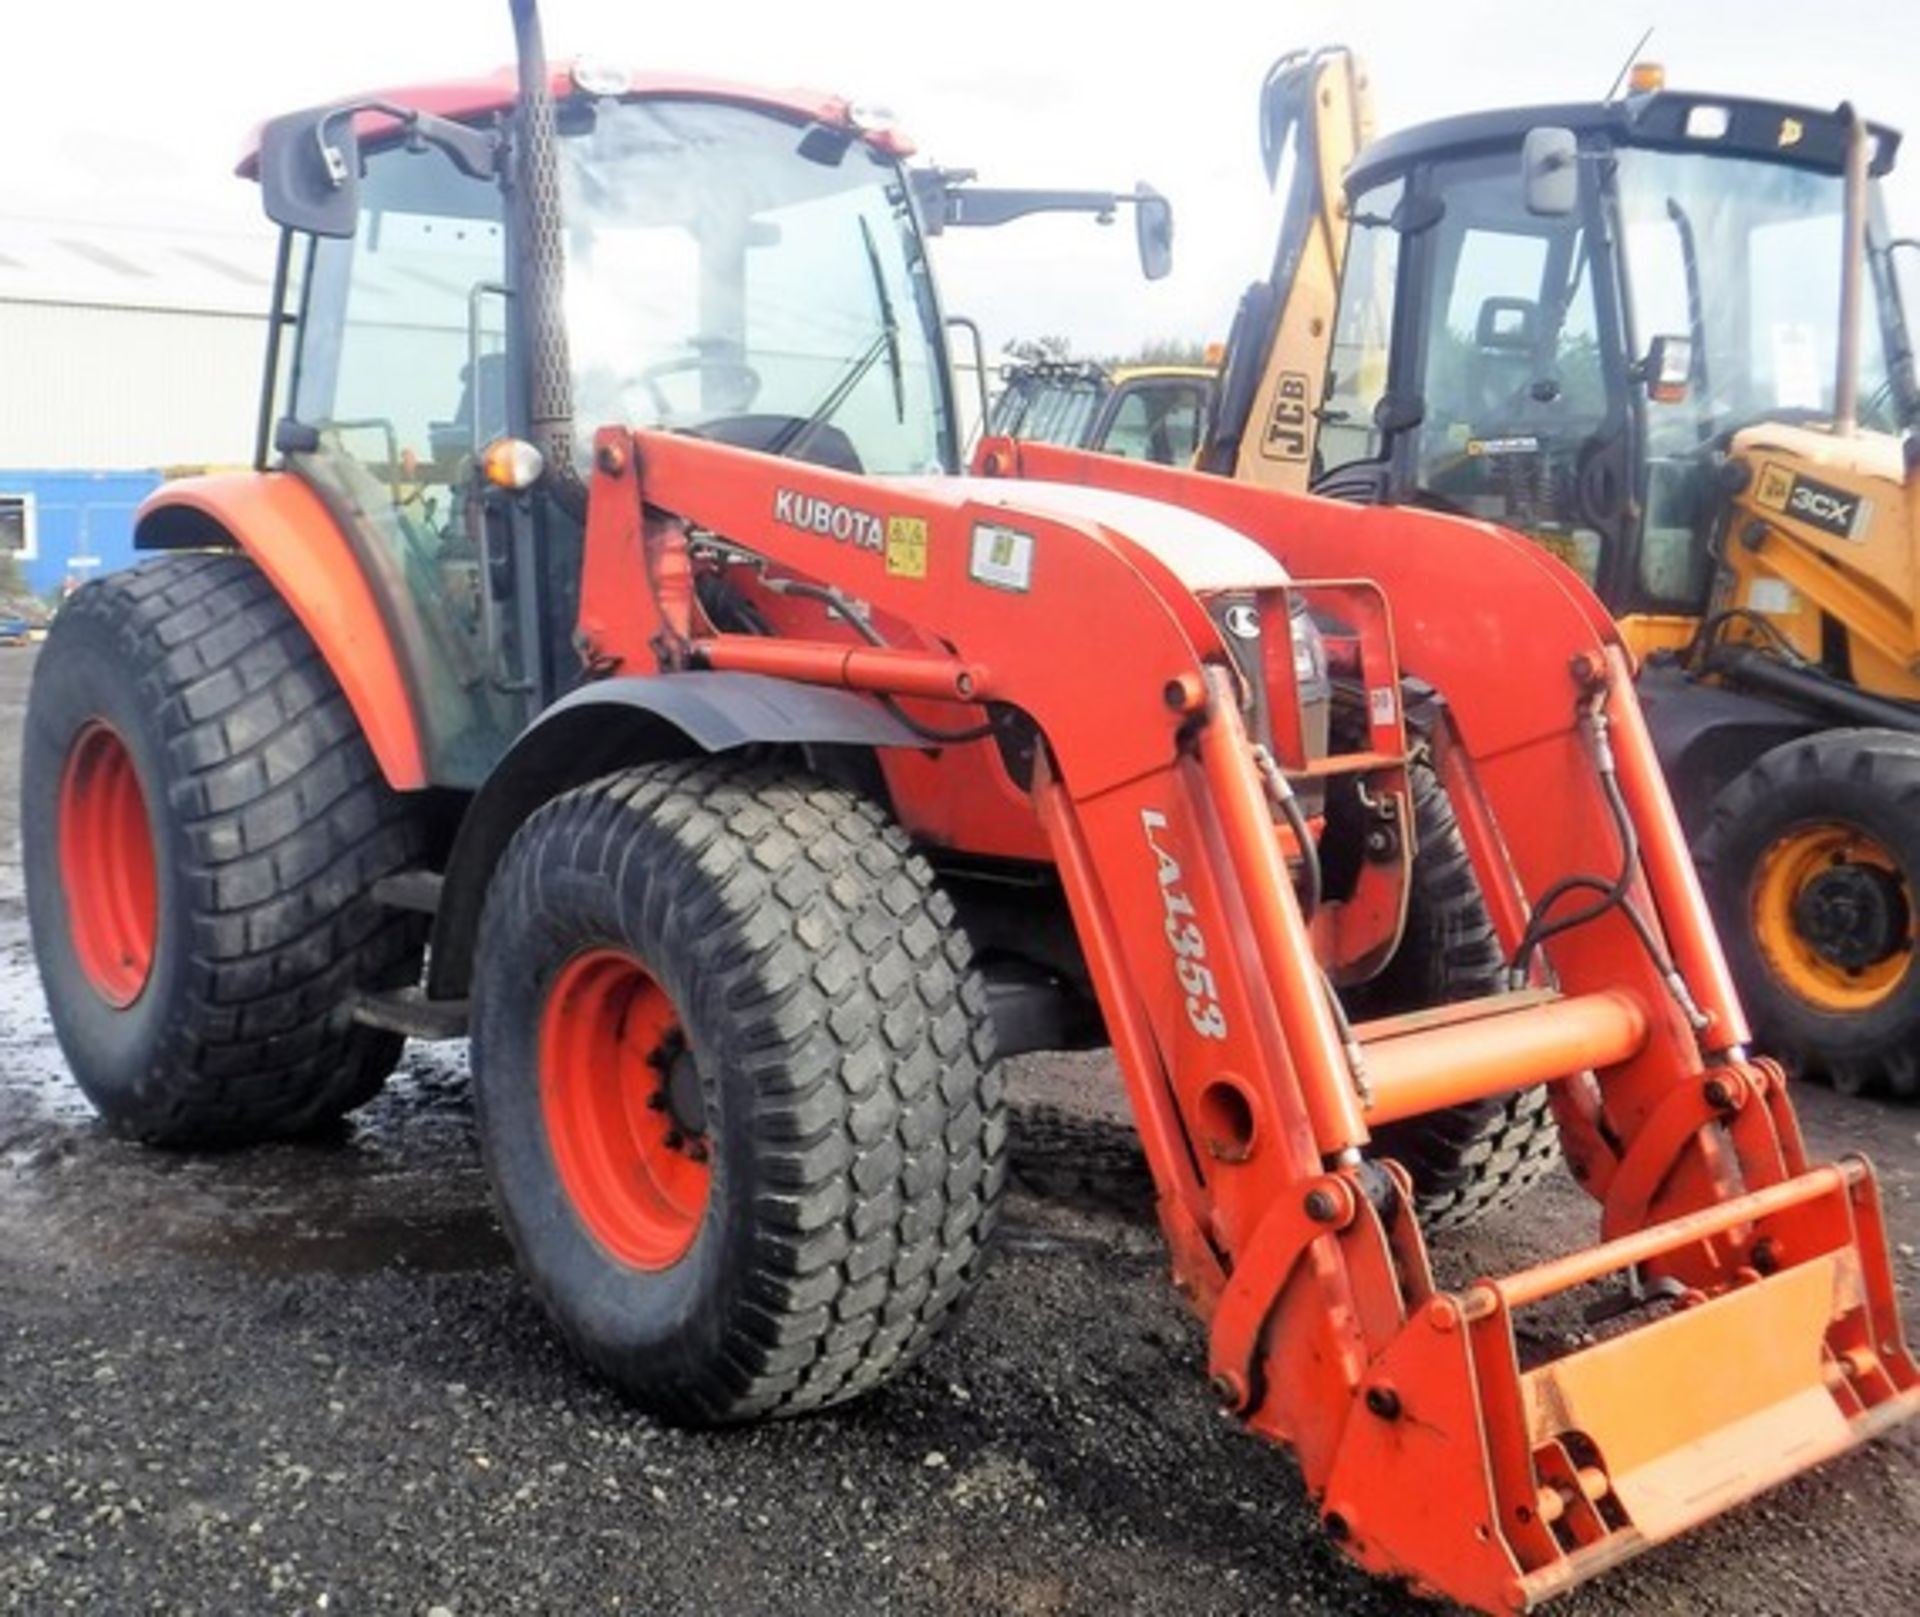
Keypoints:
pixel 740 379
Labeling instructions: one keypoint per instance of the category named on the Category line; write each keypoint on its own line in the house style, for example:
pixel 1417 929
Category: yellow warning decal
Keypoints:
pixel 907 547
pixel 1775 487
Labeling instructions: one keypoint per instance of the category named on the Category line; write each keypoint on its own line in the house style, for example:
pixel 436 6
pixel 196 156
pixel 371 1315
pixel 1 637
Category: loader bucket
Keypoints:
pixel 1467 1471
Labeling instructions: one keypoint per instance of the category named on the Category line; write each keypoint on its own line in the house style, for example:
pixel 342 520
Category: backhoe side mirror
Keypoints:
pixel 1550 171
pixel 1668 369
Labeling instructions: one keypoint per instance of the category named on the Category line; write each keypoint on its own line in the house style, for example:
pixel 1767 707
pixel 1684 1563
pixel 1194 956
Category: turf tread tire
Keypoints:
pixel 273 823
pixel 1465 1160
pixel 844 1044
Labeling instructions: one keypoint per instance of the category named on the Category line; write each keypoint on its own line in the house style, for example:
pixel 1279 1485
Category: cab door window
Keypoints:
pixel 400 379
pixel 1157 421
pixel 1516 409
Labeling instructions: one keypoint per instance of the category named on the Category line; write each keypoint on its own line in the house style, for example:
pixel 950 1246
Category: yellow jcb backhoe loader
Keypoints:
pixel 1662 336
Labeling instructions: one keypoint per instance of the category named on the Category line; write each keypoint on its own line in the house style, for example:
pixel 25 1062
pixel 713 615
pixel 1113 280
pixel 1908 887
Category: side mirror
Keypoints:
pixel 1668 369
pixel 310 161
pixel 310 172
pixel 1550 172
pixel 1153 229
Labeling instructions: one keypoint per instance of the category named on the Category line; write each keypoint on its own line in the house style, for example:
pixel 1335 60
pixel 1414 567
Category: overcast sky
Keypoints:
pixel 134 108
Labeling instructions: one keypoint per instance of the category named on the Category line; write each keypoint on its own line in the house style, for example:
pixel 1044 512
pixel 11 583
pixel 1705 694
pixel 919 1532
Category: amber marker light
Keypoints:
pixel 512 463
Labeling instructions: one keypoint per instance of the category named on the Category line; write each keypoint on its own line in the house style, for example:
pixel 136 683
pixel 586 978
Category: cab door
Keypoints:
pixel 399 378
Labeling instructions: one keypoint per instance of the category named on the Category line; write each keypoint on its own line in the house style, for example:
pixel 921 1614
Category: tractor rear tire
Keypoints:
pixel 1470 1159
pixel 736 1089
pixel 202 824
pixel 1811 863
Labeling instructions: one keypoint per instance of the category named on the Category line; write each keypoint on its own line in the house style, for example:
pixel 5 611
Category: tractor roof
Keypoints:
pixel 1669 119
pixel 469 99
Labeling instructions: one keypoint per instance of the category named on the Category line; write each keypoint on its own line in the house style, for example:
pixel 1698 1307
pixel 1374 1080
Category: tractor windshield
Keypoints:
pixel 733 276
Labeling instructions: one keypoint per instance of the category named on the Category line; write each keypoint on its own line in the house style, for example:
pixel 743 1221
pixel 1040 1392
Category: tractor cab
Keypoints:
pixel 733 266
pixel 741 266
pixel 1556 319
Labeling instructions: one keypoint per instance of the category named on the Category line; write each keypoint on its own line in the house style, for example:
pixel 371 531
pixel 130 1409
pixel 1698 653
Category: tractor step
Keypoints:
pixel 416 891
pixel 408 1011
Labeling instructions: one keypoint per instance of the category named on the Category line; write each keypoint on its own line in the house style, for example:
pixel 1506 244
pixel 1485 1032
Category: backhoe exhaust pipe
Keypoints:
pixel 1853 268
pixel 543 266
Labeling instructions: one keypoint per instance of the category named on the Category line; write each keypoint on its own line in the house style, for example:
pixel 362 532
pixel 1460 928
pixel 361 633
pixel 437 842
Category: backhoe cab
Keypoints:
pixel 613 667
pixel 1662 336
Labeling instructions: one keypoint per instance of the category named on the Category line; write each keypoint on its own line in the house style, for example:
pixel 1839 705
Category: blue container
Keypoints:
pixel 69 525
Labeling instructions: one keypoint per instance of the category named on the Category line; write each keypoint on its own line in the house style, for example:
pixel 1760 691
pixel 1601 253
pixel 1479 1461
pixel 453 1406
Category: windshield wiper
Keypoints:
pixel 890 326
pixel 797 434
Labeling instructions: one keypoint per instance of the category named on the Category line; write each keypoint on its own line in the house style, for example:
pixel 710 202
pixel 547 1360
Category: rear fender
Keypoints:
pixel 613 724
pixel 282 525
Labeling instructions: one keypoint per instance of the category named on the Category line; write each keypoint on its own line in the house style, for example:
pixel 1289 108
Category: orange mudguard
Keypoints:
pixel 282 524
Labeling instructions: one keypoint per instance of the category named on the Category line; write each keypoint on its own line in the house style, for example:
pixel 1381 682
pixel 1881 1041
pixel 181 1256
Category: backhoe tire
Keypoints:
pixel 736 1087
pixel 202 824
pixel 1469 1159
pixel 1811 862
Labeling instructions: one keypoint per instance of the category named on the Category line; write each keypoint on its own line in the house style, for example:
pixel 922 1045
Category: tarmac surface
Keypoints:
pixel 307 1379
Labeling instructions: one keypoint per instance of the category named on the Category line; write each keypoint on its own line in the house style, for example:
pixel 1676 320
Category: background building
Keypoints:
pixel 127 353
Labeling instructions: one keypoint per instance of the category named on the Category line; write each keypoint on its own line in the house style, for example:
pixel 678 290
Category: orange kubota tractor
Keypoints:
pixel 734 777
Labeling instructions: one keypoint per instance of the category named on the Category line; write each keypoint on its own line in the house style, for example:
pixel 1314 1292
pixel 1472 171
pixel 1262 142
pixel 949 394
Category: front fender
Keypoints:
pixel 613 724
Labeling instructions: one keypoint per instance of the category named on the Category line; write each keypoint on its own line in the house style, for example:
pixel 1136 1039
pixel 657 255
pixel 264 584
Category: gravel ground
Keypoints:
pixel 307 1379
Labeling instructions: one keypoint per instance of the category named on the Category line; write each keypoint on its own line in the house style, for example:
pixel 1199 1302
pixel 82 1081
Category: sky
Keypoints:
pixel 134 110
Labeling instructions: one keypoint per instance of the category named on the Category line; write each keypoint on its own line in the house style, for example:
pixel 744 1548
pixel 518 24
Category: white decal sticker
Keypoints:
pixel 1001 558
pixel 1184 938
pixel 1380 704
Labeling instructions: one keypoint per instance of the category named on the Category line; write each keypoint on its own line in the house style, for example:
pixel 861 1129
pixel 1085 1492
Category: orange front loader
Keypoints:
pixel 1757 1330
pixel 756 777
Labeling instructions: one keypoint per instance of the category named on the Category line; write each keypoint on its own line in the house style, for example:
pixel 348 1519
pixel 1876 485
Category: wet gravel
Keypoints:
pixel 307 1379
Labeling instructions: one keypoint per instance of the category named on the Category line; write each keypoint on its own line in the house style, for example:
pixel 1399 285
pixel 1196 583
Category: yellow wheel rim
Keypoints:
pixel 1834 917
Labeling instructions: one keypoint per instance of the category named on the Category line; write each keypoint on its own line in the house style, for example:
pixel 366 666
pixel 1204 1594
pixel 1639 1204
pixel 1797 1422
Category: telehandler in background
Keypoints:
pixel 1663 337
pixel 738 774
pixel 1145 412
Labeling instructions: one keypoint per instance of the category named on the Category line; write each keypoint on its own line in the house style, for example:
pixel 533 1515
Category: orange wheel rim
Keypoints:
pixel 611 1052
pixel 107 864
pixel 1834 917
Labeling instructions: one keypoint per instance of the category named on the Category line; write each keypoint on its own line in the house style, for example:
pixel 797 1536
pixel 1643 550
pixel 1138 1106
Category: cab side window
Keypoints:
pixel 400 378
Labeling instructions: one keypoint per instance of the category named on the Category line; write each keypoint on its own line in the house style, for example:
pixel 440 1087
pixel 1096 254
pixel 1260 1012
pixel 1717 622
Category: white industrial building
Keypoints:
pixel 126 352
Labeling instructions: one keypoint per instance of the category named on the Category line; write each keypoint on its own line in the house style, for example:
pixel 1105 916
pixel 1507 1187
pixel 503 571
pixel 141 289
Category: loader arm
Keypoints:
pixel 1318 106
pixel 1436 1456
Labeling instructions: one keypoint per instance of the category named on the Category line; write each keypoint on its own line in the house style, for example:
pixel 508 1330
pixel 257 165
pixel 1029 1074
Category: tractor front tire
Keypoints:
pixel 736 1089
pixel 1470 1159
pixel 1811 863
pixel 202 825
